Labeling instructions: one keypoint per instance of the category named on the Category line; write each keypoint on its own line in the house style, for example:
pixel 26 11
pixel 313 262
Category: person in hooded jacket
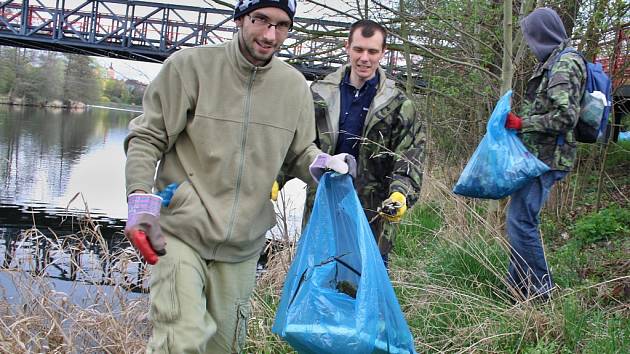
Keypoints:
pixel 548 115
pixel 221 120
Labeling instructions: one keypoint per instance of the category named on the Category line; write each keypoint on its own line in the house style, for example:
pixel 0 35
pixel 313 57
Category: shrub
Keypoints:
pixel 606 224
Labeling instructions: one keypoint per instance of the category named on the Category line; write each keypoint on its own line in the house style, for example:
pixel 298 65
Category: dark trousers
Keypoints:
pixel 528 270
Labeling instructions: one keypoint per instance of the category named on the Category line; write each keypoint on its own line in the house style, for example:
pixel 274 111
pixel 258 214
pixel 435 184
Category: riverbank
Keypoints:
pixel 54 104
pixel 74 106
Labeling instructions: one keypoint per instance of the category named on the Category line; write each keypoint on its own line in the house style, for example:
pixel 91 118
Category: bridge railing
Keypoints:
pixel 148 31
pixel 144 30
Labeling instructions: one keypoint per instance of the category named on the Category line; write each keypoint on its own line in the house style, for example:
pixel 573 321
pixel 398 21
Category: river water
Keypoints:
pixel 58 167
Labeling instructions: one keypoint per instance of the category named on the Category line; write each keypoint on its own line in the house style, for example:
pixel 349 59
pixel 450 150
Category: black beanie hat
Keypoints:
pixel 243 7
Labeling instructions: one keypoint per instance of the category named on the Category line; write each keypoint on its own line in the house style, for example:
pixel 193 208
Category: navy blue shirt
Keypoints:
pixel 354 107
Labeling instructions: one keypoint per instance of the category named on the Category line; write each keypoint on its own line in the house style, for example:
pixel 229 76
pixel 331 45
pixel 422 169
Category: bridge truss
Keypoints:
pixel 149 31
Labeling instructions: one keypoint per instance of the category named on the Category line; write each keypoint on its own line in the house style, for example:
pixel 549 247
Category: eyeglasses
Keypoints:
pixel 262 22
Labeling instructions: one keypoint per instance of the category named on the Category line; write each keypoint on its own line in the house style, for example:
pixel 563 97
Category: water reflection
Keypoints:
pixel 83 257
pixel 60 168
pixel 46 157
pixel 52 163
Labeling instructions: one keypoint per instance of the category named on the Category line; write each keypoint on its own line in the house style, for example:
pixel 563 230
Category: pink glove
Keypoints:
pixel 513 121
pixel 340 163
pixel 143 227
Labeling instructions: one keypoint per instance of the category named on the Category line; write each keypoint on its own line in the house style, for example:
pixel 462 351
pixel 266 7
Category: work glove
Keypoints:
pixel 340 163
pixel 394 207
pixel 143 227
pixel 513 121
pixel 275 188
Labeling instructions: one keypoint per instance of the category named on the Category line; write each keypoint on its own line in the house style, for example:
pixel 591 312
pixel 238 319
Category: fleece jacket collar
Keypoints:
pixel 241 65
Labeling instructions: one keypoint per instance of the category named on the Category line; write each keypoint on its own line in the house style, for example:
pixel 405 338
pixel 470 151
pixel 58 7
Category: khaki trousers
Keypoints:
pixel 199 306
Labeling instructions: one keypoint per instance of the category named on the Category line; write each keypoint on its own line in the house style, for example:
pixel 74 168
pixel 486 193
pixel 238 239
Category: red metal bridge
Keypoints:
pixel 149 31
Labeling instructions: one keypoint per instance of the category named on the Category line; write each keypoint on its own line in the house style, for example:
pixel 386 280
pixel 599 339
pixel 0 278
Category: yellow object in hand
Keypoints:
pixel 274 191
pixel 394 207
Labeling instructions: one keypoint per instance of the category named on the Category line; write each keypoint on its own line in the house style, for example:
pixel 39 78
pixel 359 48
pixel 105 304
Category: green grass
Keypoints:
pixel 607 224
pixel 618 155
pixel 449 263
pixel 416 234
pixel 459 302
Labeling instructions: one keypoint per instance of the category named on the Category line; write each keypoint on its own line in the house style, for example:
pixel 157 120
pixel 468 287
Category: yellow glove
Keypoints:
pixel 394 207
pixel 274 191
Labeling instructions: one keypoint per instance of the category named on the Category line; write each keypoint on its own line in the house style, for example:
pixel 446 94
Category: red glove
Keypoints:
pixel 140 240
pixel 513 121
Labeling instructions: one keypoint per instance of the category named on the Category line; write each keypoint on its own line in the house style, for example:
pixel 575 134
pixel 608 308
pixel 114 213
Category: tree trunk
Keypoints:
pixel 404 33
pixel 570 12
pixel 506 68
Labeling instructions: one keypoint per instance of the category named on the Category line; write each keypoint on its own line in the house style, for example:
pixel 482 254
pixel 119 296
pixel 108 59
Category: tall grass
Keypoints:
pixel 448 269
pixel 40 315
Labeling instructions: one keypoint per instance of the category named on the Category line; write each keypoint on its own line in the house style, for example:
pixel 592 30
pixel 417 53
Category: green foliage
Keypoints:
pixel 593 330
pixel 417 231
pixel 31 75
pixel 565 263
pixel 612 335
pixel 541 347
pixel 81 79
pixel 575 321
pixel 118 91
pixel 618 156
pixel 40 76
pixel 475 266
pixel 606 224
pixel 449 318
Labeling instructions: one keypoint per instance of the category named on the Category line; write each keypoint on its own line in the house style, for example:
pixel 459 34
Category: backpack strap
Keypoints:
pixel 557 57
pixel 560 139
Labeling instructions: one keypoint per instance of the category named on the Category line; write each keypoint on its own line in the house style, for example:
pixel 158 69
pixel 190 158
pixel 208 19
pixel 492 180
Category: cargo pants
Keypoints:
pixel 199 306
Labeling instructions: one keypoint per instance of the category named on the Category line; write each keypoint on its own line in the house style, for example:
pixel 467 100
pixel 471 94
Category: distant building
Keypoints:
pixel 136 90
pixel 135 85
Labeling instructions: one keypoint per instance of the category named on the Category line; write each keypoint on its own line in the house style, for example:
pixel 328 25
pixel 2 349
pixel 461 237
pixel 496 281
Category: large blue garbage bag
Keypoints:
pixel 501 163
pixel 337 297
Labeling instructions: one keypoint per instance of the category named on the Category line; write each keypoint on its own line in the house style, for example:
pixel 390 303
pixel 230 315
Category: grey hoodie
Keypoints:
pixel 543 30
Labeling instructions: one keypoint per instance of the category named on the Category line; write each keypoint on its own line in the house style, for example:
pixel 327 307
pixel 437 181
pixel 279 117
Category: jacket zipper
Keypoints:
pixel 248 101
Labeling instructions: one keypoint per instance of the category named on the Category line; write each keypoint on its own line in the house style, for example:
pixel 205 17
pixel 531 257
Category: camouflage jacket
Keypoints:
pixel 391 152
pixel 551 108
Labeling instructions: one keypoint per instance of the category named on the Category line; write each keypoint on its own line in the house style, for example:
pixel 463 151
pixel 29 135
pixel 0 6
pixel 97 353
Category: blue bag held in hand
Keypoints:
pixel 337 297
pixel 501 164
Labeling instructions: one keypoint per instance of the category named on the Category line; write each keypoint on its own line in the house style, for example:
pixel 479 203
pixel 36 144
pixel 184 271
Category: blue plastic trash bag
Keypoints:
pixel 337 297
pixel 501 164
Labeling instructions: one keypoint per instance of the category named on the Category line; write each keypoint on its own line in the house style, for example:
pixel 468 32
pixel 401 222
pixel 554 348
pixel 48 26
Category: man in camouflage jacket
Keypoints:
pixel 549 114
pixel 360 112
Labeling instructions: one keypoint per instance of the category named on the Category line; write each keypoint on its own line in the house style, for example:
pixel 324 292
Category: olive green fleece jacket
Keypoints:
pixel 222 128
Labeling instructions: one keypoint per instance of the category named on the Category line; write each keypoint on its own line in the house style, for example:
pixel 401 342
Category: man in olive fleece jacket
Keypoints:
pixel 221 120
